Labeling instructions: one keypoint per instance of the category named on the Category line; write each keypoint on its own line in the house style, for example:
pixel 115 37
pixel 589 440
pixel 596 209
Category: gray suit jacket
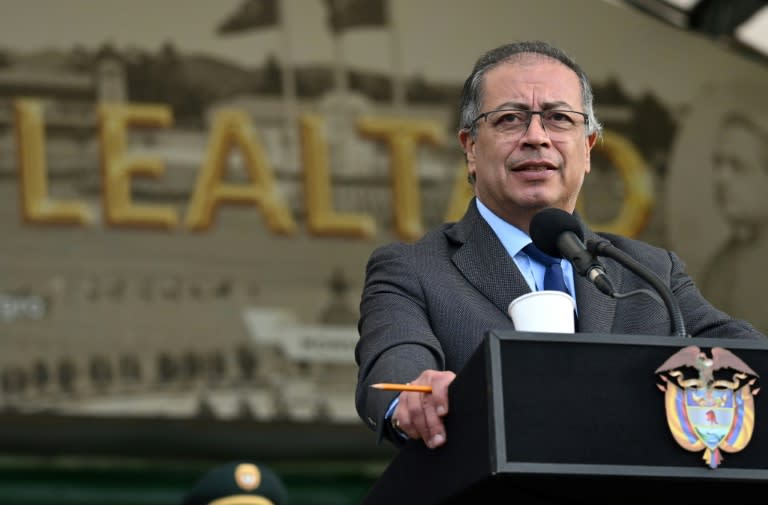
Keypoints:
pixel 429 304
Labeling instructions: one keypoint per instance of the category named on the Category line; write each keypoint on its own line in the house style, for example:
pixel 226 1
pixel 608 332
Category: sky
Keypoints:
pixel 439 39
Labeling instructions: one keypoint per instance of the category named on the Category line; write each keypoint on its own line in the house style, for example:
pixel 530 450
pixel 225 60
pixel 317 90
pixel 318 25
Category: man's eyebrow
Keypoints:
pixel 524 106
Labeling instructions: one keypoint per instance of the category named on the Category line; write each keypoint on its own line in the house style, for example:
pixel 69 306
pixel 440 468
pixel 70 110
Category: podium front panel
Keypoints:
pixel 547 418
pixel 590 404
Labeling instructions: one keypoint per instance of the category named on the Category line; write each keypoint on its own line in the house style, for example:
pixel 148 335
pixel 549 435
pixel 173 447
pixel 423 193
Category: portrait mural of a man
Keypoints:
pixel 736 277
pixel 717 210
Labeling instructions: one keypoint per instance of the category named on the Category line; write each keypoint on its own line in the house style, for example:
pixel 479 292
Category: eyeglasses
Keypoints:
pixel 558 123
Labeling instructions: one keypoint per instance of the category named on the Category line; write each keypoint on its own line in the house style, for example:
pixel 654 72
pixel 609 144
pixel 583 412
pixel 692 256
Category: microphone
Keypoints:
pixel 557 233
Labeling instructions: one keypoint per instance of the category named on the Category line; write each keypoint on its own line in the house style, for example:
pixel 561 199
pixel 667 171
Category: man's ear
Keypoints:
pixel 590 140
pixel 468 146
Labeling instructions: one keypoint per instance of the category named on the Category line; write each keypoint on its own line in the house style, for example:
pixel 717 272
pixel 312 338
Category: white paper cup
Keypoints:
pixel 543 311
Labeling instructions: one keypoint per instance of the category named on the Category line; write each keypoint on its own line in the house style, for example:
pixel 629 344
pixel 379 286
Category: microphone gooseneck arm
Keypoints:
pixel 605 248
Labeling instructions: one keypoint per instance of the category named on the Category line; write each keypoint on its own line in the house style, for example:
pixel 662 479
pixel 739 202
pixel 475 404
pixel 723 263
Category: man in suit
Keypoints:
pixel 527 127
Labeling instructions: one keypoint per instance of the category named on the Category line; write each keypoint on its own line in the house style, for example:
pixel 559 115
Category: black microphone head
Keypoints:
pixel 547 226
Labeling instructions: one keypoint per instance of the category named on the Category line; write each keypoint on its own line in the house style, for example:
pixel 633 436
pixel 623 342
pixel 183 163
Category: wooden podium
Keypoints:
pixel 572 419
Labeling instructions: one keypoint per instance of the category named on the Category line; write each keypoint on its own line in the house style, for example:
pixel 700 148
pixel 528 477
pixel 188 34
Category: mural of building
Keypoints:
pixel 235 320
pixel 108 329
pixel 102 319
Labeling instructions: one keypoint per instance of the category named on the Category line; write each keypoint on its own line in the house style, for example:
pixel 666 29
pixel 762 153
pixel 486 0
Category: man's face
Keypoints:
pixel 518 175
pixel 740 175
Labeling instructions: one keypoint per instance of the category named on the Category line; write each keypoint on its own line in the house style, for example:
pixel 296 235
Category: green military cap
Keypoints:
pixel 238 483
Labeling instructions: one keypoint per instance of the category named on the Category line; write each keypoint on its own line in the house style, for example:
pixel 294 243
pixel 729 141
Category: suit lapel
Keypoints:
pixel 484 262
pixel 597 311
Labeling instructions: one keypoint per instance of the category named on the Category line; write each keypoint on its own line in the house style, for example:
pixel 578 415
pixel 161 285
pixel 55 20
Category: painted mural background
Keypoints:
pixel 189 190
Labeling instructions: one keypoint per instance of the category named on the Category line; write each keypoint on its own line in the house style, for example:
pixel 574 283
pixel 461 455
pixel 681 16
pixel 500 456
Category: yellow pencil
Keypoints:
pixel 388 386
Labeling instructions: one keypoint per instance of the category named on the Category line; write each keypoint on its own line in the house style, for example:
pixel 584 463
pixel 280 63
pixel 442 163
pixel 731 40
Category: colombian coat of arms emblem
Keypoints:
pixel 711 409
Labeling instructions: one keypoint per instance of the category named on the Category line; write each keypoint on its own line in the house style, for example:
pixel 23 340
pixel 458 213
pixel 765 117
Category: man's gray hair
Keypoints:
pixel 472 93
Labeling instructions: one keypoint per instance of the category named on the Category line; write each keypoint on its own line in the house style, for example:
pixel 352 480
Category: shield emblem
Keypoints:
pixel 704 413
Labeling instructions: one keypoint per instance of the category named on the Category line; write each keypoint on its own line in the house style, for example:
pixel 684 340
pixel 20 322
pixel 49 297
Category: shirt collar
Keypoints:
pixel 512 238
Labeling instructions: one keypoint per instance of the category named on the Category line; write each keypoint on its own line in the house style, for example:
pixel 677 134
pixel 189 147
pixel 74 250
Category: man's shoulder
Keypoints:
pixel 636 247
pixel 435 238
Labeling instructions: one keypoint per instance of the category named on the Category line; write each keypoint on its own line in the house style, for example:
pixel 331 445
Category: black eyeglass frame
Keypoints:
pixel 531 113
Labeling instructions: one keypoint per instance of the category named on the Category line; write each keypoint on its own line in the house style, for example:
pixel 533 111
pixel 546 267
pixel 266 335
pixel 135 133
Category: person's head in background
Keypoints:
pixel 237 483
pixel 527 125
pixel 740 170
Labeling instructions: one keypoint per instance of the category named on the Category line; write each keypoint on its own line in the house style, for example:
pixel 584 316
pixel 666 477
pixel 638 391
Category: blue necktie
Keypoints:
pixel 553 276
